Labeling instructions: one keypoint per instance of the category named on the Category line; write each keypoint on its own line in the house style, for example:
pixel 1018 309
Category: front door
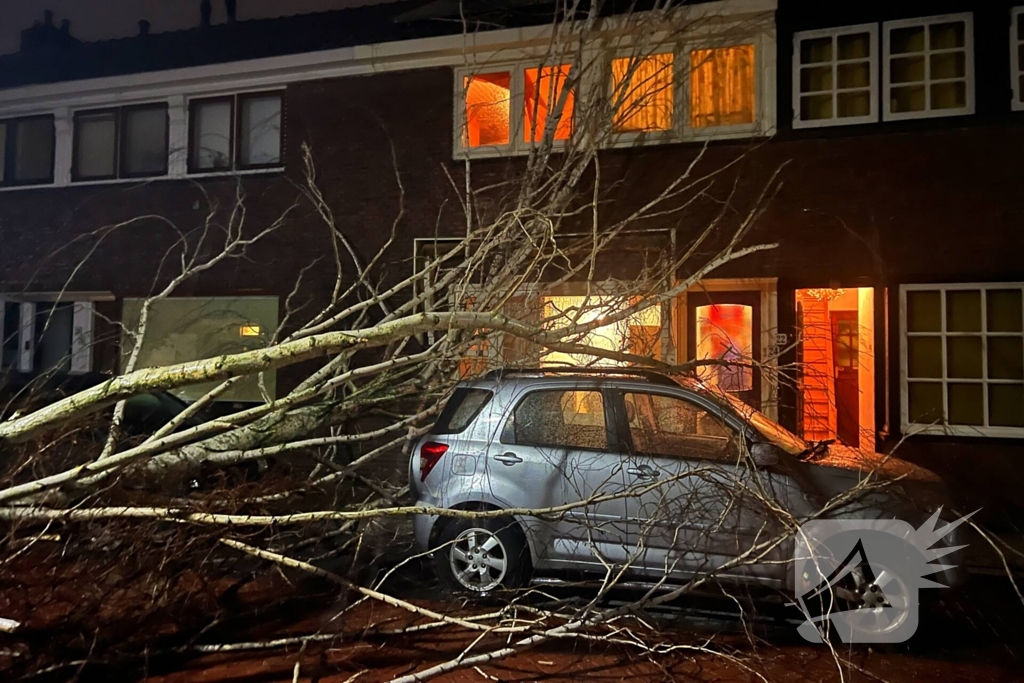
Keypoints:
pixel 845 369
pixel 724 328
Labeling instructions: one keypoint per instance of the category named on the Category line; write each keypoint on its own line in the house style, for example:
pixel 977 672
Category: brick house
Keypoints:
pixel 897 288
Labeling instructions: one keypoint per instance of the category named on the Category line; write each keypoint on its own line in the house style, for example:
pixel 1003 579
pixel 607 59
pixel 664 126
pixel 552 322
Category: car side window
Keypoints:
pixel 560 418
pixel 673 427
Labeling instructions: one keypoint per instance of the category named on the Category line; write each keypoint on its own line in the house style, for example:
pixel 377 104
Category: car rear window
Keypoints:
pixel 461 409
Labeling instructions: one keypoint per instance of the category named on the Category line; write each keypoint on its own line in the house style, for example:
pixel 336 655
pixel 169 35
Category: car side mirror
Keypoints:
pixel 764 454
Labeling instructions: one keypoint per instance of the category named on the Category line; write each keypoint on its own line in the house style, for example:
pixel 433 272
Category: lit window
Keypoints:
pixel 833 76
pixel 963 359
pixel 126 142
pixel 725 332
pixel 642 93
pixel 488 101
pixel 215 123
pixel 722 86
pixel 27 145
pixel 929 69
pixel 544 89
pixel 1017 56
pixel 639 334
pixel 184 329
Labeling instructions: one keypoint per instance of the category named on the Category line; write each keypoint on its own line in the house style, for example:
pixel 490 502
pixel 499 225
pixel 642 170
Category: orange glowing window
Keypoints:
pixel 544 88
pixel 487 109
pixel 722 86
pixel 642 92
pixel 725 332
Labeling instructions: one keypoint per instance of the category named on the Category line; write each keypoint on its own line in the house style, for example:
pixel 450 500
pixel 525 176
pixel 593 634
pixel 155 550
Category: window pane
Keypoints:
pixel 643 91
pixel 906 70
pixel 145 141
pixel 966 404
pixel 963 357
pixel 543 92
pixel 910 39
pixel 3 146
pixel 816 50
pixel 261 130
pixel 925 402
pixel 487 109
pixel 1020 26
pixel 963 311
pixel 568 419
pixel 1004 310
pixel 948 65
pixel 945 36
pixel 96 144
pixel 1006 405
pixel 815 79
pixel 672 427
pixel 924 357
pixel 854 46
pixel 726 332
pixel 924 311
pixel 33 149
pixel 907 99
pixel 211 137
pixel 856 75
pixel 856 103
pixel 1006 358
pixel 949 95
pixel 722 86
pixel 815 107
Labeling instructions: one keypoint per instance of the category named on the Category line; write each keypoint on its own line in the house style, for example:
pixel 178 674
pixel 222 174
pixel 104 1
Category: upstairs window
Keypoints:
pixel 129 142
pixel 722 87
pixel 488 109
pixel 544 91
pixel 834 76
pixel 1017 56
pixel 643 93
pixel 27 145
pixel 238 132
pixel 929 68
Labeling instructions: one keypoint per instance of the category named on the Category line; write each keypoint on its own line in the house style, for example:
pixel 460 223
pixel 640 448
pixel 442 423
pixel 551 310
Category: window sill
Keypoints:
pixel 142 181
pixel 963 431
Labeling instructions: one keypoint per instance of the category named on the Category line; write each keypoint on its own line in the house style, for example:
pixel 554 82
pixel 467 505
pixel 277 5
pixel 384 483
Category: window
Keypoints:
pixel 186 329
pixel 488 107
pixel 560 419
pixel 722 86
pixel 963 359
pixel 27 146
pixel 643 93
pixel 672 427
pixel 834 80
pixel 929 67
pixel 42 334
pixel 545 91
pixel 235 133
pixel 1017 56
pixel 129 142
pixel 460 410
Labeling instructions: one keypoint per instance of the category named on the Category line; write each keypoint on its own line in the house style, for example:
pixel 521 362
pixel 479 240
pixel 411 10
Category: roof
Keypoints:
pixel 64 59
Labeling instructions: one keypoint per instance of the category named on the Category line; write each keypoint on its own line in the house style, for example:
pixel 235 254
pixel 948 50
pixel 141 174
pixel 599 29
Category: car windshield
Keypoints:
pixel 768 428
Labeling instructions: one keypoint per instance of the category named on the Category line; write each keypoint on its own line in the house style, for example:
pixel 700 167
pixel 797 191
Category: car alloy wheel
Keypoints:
pixel 478 560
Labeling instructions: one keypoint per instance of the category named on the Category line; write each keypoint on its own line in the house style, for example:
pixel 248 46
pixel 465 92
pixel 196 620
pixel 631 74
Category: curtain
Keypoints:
pixel 642 90
pixel 543 91
pixel 722 86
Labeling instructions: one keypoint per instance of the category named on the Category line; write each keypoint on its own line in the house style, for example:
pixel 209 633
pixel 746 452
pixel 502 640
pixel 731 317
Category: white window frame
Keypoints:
pixel 1016 68
pixel 926 22
pixel 834 34
pixel 943 428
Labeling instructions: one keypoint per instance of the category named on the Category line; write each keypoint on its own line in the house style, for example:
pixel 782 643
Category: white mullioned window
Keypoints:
pixel 929 67
pixel 835 76
pixel 962 359
pixel 1017 56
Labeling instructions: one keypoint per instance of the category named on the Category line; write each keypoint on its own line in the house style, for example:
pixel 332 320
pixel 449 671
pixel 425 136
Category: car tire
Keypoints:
pixel 481 556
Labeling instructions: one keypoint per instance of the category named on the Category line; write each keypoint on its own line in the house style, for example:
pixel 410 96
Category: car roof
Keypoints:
pixel 519 376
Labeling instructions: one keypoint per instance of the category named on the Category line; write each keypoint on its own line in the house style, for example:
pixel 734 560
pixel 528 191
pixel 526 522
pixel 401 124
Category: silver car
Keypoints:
pixel 660 476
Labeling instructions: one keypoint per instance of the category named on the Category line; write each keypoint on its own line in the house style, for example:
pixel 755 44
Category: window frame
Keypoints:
pixel 120 148
pixel 969 78
pixel 942 428
pixel 235 131
pixel 7 155
pixel 1016 67
pixel 873 60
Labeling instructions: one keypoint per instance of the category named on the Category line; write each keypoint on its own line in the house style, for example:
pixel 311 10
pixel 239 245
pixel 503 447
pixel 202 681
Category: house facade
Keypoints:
pixel 890 313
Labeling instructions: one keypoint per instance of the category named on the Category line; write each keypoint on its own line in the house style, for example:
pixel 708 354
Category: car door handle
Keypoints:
pixel 508 458
pixel 644 471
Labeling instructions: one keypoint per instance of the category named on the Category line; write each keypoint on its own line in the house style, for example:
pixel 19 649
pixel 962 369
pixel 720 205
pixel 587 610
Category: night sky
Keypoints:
pixel 100 19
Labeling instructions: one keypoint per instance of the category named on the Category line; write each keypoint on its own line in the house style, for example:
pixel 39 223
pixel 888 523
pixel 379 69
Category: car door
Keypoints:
pixel 696 507
pixel 558 441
